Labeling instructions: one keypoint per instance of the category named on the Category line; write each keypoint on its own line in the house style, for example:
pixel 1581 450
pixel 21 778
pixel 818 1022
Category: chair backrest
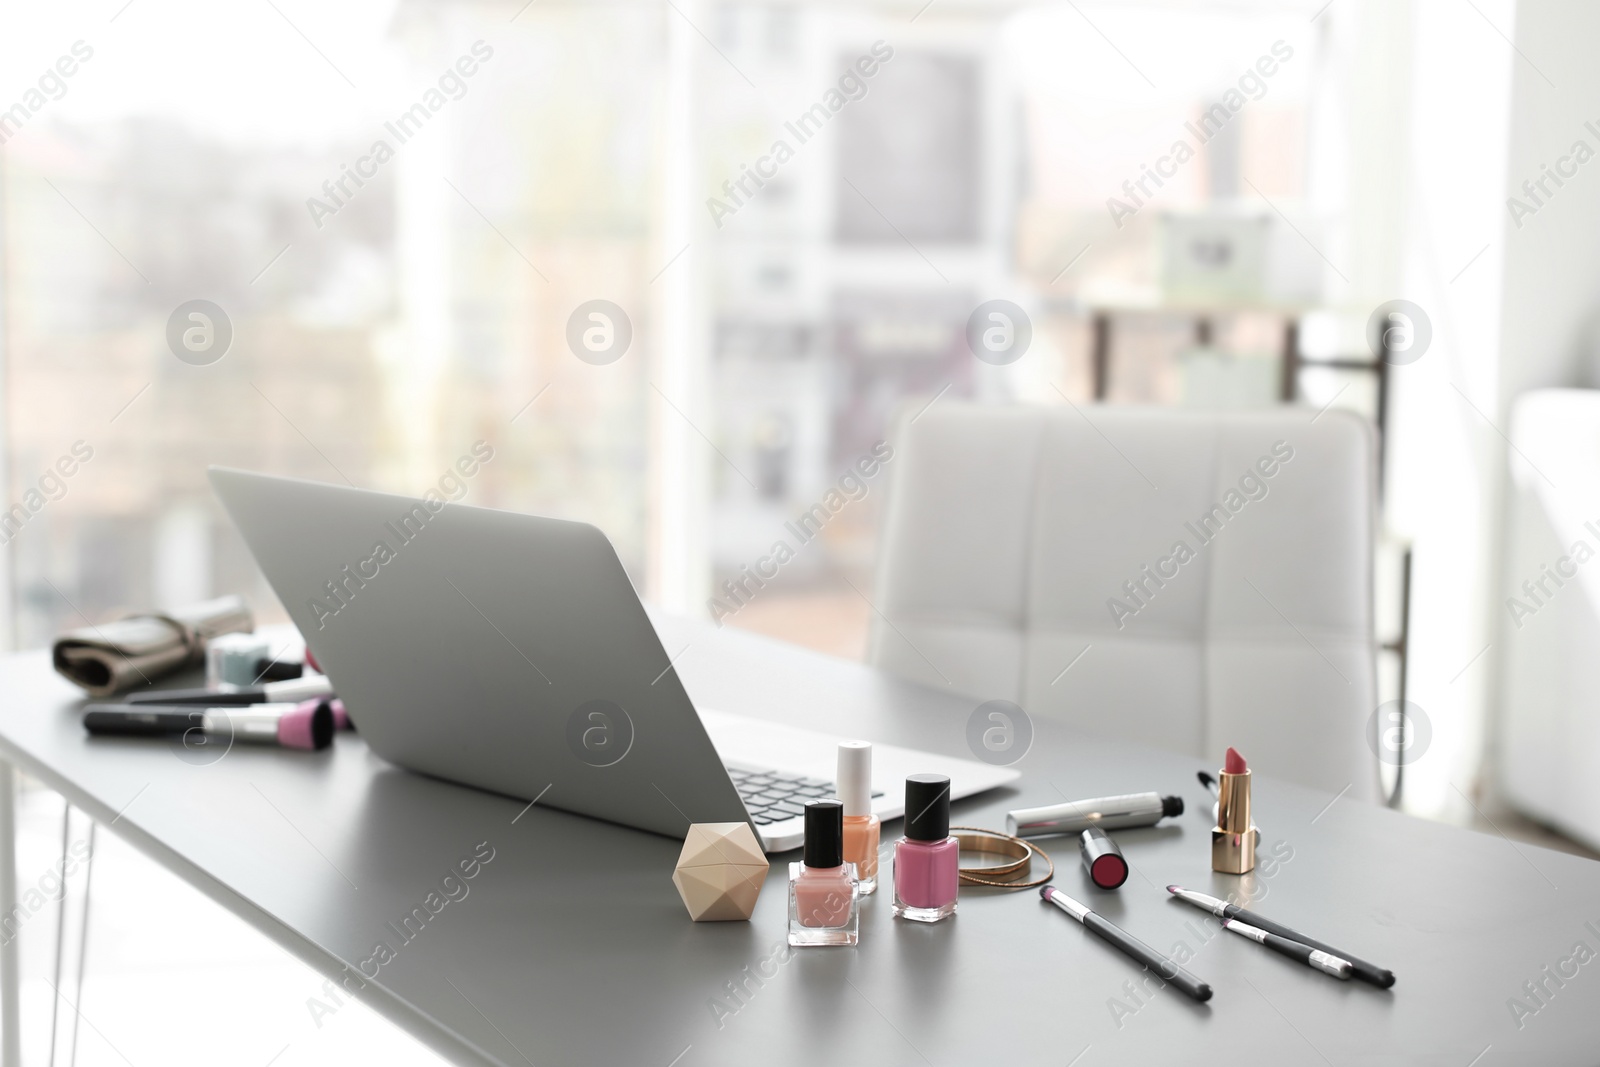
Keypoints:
pixel 1190 579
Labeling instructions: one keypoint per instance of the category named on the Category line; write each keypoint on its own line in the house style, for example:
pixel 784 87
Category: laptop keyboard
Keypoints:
pixel 772 796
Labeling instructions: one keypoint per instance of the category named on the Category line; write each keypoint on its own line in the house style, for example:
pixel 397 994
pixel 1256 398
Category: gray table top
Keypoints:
pixel 571 946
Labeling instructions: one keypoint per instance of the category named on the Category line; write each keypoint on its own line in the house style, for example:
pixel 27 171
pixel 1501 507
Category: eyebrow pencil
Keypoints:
pixel 1316 958
pixel 1108 931
pixel 1367 972
pixel 294 689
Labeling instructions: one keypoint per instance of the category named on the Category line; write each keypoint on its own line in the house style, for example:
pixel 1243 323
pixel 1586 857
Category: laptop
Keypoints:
pixel 511 653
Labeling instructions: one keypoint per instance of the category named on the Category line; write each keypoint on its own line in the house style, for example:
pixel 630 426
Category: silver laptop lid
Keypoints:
pixel 504 651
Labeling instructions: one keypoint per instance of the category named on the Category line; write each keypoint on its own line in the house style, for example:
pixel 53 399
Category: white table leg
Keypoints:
pixel 10 1021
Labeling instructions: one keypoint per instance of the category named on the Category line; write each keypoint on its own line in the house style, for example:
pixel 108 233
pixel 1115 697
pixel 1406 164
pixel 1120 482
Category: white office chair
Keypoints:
pixel 1549 732
pixel 1015 538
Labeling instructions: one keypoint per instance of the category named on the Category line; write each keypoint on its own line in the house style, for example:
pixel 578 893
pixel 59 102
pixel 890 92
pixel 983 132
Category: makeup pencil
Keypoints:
pixel 307 725
pixel 1103 928
pixel 1315 958
pixel 1367 972
pixel 293 690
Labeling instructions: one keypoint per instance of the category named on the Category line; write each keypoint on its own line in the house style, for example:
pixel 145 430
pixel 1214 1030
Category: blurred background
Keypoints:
pixel 1336 155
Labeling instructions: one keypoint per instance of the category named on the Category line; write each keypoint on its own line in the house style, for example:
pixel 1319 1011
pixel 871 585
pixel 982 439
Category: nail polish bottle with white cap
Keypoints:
pixel 860 825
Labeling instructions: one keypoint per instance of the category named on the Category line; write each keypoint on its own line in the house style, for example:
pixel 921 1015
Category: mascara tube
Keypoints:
pixel 1107 813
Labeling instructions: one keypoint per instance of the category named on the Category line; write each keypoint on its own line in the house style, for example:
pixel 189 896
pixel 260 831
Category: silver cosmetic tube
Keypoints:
pixel 1108 813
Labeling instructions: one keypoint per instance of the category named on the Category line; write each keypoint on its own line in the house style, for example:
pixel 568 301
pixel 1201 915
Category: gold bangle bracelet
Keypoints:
pixel 982 841
pixel 995 843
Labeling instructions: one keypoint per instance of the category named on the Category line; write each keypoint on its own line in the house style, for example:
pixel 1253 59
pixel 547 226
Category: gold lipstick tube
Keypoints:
pixel 1233 839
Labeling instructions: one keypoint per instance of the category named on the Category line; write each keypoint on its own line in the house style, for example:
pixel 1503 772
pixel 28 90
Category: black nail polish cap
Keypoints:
pixel 927 807
pixel 824 833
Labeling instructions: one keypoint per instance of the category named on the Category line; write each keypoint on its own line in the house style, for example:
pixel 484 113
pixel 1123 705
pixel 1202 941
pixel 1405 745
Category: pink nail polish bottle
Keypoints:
pixel 927 858
pixel 823 894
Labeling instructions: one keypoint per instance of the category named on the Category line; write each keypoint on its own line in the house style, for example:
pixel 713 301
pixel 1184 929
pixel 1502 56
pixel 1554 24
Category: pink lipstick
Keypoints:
pixel 1233 838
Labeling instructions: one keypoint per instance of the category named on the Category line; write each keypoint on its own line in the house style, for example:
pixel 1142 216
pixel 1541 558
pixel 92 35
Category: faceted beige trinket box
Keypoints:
pixel 720 871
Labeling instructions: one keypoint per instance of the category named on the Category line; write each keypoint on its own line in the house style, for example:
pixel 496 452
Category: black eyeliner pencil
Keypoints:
pixel 292 690
pixel 1158 964
pixel 1315 958
pixel 1359 968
